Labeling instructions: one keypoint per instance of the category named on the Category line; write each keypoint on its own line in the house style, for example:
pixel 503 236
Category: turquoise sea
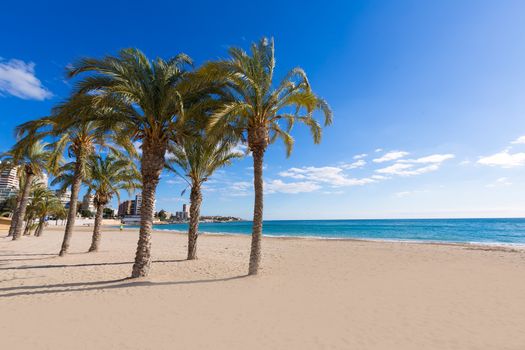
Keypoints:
pixel 507 231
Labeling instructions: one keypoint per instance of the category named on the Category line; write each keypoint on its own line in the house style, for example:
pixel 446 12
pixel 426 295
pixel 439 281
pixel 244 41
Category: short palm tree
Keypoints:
pixel 198 156
pixel 77 136
pixel 257 110
pixel 43 202
pixel 106 178
pixel 32 157
pixel 146 98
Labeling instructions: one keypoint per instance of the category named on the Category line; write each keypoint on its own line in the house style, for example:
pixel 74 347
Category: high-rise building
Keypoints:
pixel 186 211
pixel 87 203
pixel 138 204
pixel 125 208
pixel 9 183
pixel 64 197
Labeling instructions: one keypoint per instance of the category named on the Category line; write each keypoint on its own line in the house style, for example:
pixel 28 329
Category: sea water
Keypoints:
pixel 507 231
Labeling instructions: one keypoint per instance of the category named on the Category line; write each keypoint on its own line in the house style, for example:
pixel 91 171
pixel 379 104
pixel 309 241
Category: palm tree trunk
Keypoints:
pixel 27 230
pixel 14 217
pixel 152 163
pixel 195 213
pixel 17 233
pixel 40 228
pixel 255 253
pixel 72 214
pixel 95 239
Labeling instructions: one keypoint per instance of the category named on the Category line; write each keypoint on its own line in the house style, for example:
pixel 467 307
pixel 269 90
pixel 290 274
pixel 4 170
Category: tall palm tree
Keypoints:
pixel 77 136
pixel 32 156
pixel 146 98
pixel 257 110
pixel 106 178
pixel 198 157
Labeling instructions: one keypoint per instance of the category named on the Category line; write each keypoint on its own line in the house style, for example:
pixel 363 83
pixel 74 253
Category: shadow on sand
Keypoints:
pixel 100 285
pixel 79 265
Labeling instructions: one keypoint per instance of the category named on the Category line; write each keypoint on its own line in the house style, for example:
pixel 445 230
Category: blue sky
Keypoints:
pixel 433 92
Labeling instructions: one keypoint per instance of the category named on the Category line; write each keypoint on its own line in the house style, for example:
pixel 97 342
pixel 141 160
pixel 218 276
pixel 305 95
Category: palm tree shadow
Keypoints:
pixel 103 285
pixel 27 254
pixel 81 265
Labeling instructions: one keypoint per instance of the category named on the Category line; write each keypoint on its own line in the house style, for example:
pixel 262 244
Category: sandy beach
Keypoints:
pixel 310 294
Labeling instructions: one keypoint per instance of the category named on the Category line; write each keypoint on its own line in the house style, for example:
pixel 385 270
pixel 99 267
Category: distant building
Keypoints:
pixel 124 208
pixel 87 203
pixel 184 214
pixel 132 208
pixel 138 204
pixel 64 197
pixel 9 183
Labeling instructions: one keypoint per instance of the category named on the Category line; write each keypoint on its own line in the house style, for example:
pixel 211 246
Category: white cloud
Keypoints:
pixel 501 182
pixel 519 140
pixel 355 165
pixel 279 186
pixel 504 159
pixel 360 156
pixel 403 194
pixel 434 158
pixel 465 162
pixel 240 188
pixel 241 148
pixel 333 176
pixel 393 155
pixel 18 78
pixel 411 167
pixel 377 150
pixel 405 169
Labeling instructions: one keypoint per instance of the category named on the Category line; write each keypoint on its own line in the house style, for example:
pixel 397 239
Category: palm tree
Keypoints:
pixel 107 176
pixel 257 110
pixel 32 156
pixel 44 203
pixel 78 136
pixel 7 164
pixel 199 156
pixel 146 99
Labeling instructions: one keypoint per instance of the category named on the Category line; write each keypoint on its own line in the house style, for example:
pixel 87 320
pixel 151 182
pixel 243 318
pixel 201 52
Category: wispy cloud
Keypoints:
pixel 355 165
pixel 411 167
pixel 333 176
pixel 17 78
pixel 393 155
pixel 279 186
pixel 404 194
pixel 504 159
pixel 405 169
pixel 501 182
pixel 360 156
pixel 519 141
pixel 434 158
pixel 241 148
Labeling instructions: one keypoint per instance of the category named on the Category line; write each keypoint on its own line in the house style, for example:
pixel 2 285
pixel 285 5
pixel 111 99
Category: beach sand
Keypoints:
pixel 310 294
